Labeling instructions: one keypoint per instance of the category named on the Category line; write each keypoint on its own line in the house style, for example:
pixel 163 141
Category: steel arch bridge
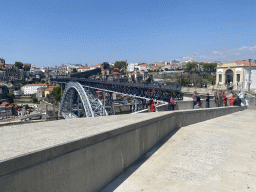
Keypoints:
pixel 75 98
pixel 84 90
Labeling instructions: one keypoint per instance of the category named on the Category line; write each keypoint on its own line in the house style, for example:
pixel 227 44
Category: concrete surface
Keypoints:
pixel 84 154
pixel 215 155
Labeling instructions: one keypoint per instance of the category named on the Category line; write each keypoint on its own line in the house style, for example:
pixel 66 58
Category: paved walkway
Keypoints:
pixel 215 155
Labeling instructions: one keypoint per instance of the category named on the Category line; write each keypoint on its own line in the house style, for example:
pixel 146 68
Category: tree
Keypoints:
pixel 120 65
pixel 57 93
pixel 18 65
pixel 74 70
pixel 191 66
pixel 106 65
pixel 34 100
pixel 26 68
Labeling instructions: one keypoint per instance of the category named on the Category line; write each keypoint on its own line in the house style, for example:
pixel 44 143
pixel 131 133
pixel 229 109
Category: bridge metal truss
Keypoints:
pixel 93 105
pixel 75 98
pixel 136 90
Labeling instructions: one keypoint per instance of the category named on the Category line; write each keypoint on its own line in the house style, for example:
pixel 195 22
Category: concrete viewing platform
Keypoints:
pixel 89 153
pixel 214 155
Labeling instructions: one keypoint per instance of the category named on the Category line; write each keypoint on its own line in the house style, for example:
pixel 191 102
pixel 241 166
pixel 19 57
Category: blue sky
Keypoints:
pixel 48 33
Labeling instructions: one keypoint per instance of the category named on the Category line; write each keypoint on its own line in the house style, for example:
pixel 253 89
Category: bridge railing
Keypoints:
pixel 138 85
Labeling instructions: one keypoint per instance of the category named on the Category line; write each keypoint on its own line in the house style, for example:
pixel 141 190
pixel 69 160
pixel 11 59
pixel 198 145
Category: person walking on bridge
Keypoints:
pixel 207 101
pixel 171 103
pixel 194 96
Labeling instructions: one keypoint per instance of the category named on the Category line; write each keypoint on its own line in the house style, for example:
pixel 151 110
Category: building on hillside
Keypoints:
pixel 8 109
pixel 236 74
pixel 60 71
pixel 27 64
pixel 2 74
pixel 17 92
pixel 48 91
pixel 115 75
pixel 83 69
pixel 9 66
pixel 31 89
pixel 98 65
pixel 2 63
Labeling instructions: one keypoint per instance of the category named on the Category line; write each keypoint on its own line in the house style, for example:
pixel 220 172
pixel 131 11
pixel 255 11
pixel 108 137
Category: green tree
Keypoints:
pixel 74 70
pixel 106 65
pixel 34 100
pixel 26 68
pixel 18 65
pixel 191 66
pixel 57 93
pixel 120 65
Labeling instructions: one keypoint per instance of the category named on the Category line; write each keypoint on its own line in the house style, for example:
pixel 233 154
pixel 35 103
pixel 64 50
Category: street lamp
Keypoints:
pixel 249 82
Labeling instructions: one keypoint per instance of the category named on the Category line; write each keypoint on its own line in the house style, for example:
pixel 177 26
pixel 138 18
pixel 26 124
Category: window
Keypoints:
pixel 238 77
pixel 220 78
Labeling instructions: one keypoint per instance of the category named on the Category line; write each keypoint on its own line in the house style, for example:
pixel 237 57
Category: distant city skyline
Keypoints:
pixel 47 33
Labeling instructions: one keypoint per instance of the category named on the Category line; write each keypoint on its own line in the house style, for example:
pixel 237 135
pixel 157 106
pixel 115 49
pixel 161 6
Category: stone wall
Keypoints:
pixel 85 154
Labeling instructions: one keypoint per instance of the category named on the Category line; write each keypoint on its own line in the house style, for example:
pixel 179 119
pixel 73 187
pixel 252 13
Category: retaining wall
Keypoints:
pixel 85 154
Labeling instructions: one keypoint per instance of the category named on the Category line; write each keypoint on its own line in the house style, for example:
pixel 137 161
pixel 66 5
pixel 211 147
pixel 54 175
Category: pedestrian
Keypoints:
pixel 207 101
pixel 197 106
pixel 198 99
pixel 153 107
pixel 232 100
pixel 171 103
pixel 216 99
pixel 237 101
pixel 150 103
pixel 220 100
pixel 225 99
pixel 194 96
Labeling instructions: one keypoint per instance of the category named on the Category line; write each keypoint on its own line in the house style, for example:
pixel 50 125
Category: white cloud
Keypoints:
pixel 243 47
pixel 215 52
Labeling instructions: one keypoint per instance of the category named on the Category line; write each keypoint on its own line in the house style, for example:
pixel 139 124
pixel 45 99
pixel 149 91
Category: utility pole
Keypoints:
pixel 249 82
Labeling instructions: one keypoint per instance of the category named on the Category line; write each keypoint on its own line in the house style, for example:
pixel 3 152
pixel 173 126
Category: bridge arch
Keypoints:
pixel 91 104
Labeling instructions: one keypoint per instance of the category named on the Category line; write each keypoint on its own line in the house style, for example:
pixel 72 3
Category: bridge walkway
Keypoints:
pixel 214 155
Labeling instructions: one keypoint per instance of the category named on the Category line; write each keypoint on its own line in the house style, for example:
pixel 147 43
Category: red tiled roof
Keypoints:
pixel 5 103
pixel 35 85
pixel 84 68
pixel 246 63
pixel 49 89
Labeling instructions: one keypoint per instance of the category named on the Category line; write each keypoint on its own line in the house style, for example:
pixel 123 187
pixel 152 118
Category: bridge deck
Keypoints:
pixel 215 155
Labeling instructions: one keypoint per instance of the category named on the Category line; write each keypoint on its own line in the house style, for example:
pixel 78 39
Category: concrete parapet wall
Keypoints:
pixel 85 154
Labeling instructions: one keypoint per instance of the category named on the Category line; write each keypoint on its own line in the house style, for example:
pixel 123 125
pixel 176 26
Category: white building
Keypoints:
pixel 83 69
pixel 31 89
pixel 130 67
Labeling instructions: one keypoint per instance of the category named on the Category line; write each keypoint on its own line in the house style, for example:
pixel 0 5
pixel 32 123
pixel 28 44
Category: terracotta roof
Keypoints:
pixel 246 63
pixel 2 71
pixel 49 89
pixel 5 103
pixel 84 68
pixel 35 85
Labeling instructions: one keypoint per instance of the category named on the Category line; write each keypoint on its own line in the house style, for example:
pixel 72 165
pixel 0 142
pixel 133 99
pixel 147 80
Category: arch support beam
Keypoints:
pixel 75 96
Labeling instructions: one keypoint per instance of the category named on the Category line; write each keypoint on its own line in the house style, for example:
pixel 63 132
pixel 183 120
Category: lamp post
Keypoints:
pixel 249 82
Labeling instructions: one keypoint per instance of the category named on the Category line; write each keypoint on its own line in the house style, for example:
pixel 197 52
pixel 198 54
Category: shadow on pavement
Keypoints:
pixel 132 168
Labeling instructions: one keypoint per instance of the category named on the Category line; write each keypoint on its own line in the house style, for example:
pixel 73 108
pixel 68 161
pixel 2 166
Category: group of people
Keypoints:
pixel 197 101
pixel 221 99
pixel 153 105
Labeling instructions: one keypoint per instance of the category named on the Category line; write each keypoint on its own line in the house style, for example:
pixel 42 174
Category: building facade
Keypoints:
pixel 31 89
pixel 236 74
